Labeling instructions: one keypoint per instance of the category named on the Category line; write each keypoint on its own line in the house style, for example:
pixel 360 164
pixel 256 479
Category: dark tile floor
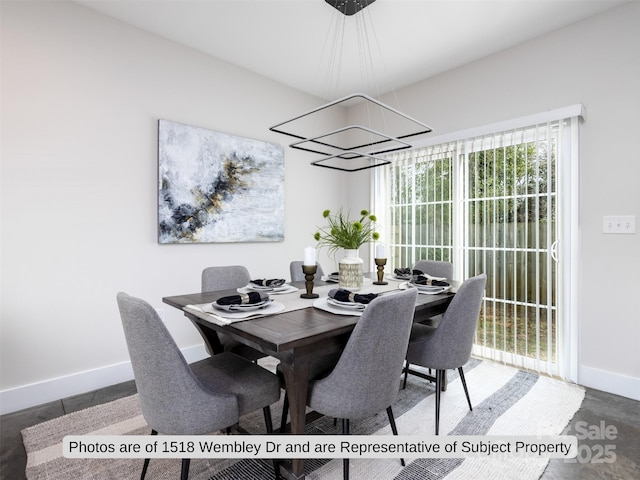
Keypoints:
pixel 13 459
pixel 599 458
pixel 608 431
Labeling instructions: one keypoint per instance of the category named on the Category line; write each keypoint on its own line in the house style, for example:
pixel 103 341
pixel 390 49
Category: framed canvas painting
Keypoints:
pixel 215 187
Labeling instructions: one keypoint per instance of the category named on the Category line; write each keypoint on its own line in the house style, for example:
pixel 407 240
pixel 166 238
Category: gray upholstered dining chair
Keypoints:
pixel 181 399
pixel 295 270
pixel 366 377
pixel 435 268
pixel 227 278
pixel 448 346
pixel 224 277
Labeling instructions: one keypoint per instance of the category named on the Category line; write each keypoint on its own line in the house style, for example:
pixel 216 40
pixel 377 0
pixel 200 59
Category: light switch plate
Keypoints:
pixel 619 224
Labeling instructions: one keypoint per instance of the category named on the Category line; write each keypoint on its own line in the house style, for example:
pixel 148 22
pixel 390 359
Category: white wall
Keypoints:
pixel 81 97
pixel 595 62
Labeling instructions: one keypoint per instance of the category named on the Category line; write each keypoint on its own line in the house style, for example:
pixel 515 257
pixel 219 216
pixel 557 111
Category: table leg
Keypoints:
pixel 296 379
pixel 210 336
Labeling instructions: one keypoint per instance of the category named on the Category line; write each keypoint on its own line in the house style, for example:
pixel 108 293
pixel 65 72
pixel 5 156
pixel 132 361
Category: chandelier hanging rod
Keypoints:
pixel 349 7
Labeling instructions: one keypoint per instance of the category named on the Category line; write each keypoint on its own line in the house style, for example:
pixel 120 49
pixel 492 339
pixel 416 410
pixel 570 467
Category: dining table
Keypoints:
pixel 295 334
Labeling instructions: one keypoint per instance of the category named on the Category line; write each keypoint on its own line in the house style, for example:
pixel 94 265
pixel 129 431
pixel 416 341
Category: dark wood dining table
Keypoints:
pixel 294 338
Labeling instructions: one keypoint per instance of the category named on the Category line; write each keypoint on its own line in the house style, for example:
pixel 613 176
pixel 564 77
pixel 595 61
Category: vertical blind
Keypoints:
pixel 421 205
pixel 510 221
pixel 499 203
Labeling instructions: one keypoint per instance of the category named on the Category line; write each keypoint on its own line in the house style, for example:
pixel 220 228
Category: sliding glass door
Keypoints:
pixel 499 203
pixel 509 226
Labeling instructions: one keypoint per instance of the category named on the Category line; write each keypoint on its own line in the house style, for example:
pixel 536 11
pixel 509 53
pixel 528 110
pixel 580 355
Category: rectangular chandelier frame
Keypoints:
pixel 327 143
pixel 351 161
pixel 419 127
pixel 318 141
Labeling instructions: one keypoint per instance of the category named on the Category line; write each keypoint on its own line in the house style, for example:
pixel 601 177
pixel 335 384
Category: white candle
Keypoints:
pixel 309 256
pixel 380 251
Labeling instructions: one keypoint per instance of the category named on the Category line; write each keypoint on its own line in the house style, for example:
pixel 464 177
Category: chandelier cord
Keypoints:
pixel 331 55
pixel 365 30
pixel 352 145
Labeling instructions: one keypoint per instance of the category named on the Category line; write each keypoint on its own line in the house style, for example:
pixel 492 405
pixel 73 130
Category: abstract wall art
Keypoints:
pixel 215 187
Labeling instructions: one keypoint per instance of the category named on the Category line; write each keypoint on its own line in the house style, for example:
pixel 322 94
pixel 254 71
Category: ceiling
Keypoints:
pixel 309 45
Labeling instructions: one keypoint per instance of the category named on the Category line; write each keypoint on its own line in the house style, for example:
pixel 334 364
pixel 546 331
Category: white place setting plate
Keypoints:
pixel 348 305
pixel 426 289
pixel 398 278
pixel 433 288
pixel 246 307
pixel 323 304
pixel 226 317
pixel 282 289
pixel 407 278
pixel 332 279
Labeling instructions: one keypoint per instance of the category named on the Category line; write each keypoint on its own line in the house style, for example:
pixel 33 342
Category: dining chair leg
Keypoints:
pixel 184 474
pixel 145 465
pixel 406 374
pixel 144 468
pixel 438 391
pixel 268 422
pixel 464 384
pixel 345 461
pixel 267 419
pixel 285 413
pixel 346 427
pixel 394 430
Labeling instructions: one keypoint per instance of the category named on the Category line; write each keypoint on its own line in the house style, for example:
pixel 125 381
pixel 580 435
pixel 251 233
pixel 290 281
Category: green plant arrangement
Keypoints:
pixel 344 233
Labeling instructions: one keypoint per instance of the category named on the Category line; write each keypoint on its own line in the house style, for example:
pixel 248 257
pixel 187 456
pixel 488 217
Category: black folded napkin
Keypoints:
pixel 346 296
pixel 243 299
pixel 407 272
pixel 423 280
pixel 273 282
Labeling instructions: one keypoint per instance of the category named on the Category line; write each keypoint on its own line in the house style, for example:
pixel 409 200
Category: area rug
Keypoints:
pixel 507 401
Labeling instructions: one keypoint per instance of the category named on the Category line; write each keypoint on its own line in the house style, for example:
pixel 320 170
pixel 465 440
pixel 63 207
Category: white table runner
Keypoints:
pixel 287 302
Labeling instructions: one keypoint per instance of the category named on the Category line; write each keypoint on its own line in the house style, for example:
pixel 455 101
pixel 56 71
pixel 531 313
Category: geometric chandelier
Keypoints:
pixel 352 146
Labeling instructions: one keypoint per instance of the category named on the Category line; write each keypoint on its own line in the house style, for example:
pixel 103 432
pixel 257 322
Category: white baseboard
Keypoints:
pixel 623 385
pixel 57 388
pixel 38 393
